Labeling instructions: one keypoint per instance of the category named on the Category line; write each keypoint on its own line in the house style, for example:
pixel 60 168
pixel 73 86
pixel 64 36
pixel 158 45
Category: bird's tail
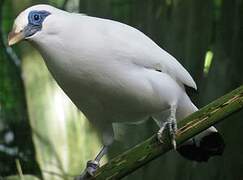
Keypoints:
pixel 207 144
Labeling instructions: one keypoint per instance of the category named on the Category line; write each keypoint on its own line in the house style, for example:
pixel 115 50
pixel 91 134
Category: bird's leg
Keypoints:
pixel 172 126
pixel 92 165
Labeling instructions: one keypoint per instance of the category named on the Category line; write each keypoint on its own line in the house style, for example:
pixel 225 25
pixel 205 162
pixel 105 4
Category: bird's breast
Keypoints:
pixel 102 87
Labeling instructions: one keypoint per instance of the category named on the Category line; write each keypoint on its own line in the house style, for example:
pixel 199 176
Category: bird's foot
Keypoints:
pixel 90 170
pixel 172 126
pixel 160 133
pixel 92 167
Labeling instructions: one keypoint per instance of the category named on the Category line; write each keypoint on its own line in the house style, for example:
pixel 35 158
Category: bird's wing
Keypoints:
pixel 142 51
pixel 130 45
pixel 168 64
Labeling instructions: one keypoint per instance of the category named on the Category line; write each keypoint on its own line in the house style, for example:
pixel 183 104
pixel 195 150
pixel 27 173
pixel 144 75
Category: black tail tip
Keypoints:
pixel 209 146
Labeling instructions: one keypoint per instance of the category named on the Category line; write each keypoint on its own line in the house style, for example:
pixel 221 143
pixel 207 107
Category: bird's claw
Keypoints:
pixel 90 170
pixel 172 130
pixel 159 136
pixel 92 167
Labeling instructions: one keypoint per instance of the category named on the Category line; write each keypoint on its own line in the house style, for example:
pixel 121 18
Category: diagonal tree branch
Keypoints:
pixel 150 149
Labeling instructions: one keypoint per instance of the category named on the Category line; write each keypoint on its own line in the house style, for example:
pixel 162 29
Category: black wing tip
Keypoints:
pixel 210 146
pixel 190 90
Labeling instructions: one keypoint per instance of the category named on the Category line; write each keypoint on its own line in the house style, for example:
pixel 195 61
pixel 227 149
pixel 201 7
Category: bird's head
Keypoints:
pixel 30 23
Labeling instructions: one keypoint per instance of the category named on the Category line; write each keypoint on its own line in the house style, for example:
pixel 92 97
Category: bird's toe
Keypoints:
pixel 90 170
pixel 172 130
pixel 92 167
pixel 160 137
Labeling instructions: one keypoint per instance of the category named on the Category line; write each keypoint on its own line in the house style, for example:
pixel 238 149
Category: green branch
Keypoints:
pixel 150 149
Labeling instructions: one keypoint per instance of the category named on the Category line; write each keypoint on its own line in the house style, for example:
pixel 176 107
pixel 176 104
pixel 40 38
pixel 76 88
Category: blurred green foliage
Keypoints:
pixel 14 125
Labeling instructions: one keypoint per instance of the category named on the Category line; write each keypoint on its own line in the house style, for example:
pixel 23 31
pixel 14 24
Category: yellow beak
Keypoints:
pixel 14 37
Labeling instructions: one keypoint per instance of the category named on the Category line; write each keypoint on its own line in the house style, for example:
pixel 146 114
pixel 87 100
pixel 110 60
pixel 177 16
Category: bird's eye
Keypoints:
pixel 36 17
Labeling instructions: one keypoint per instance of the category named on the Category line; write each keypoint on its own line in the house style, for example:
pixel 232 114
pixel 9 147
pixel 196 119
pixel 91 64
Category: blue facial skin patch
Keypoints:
pixel 35 20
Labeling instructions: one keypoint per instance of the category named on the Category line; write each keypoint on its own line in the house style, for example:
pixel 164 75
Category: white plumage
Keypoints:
pixel 111 71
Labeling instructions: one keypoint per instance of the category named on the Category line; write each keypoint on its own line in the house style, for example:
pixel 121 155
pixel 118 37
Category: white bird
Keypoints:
pixel 114 73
